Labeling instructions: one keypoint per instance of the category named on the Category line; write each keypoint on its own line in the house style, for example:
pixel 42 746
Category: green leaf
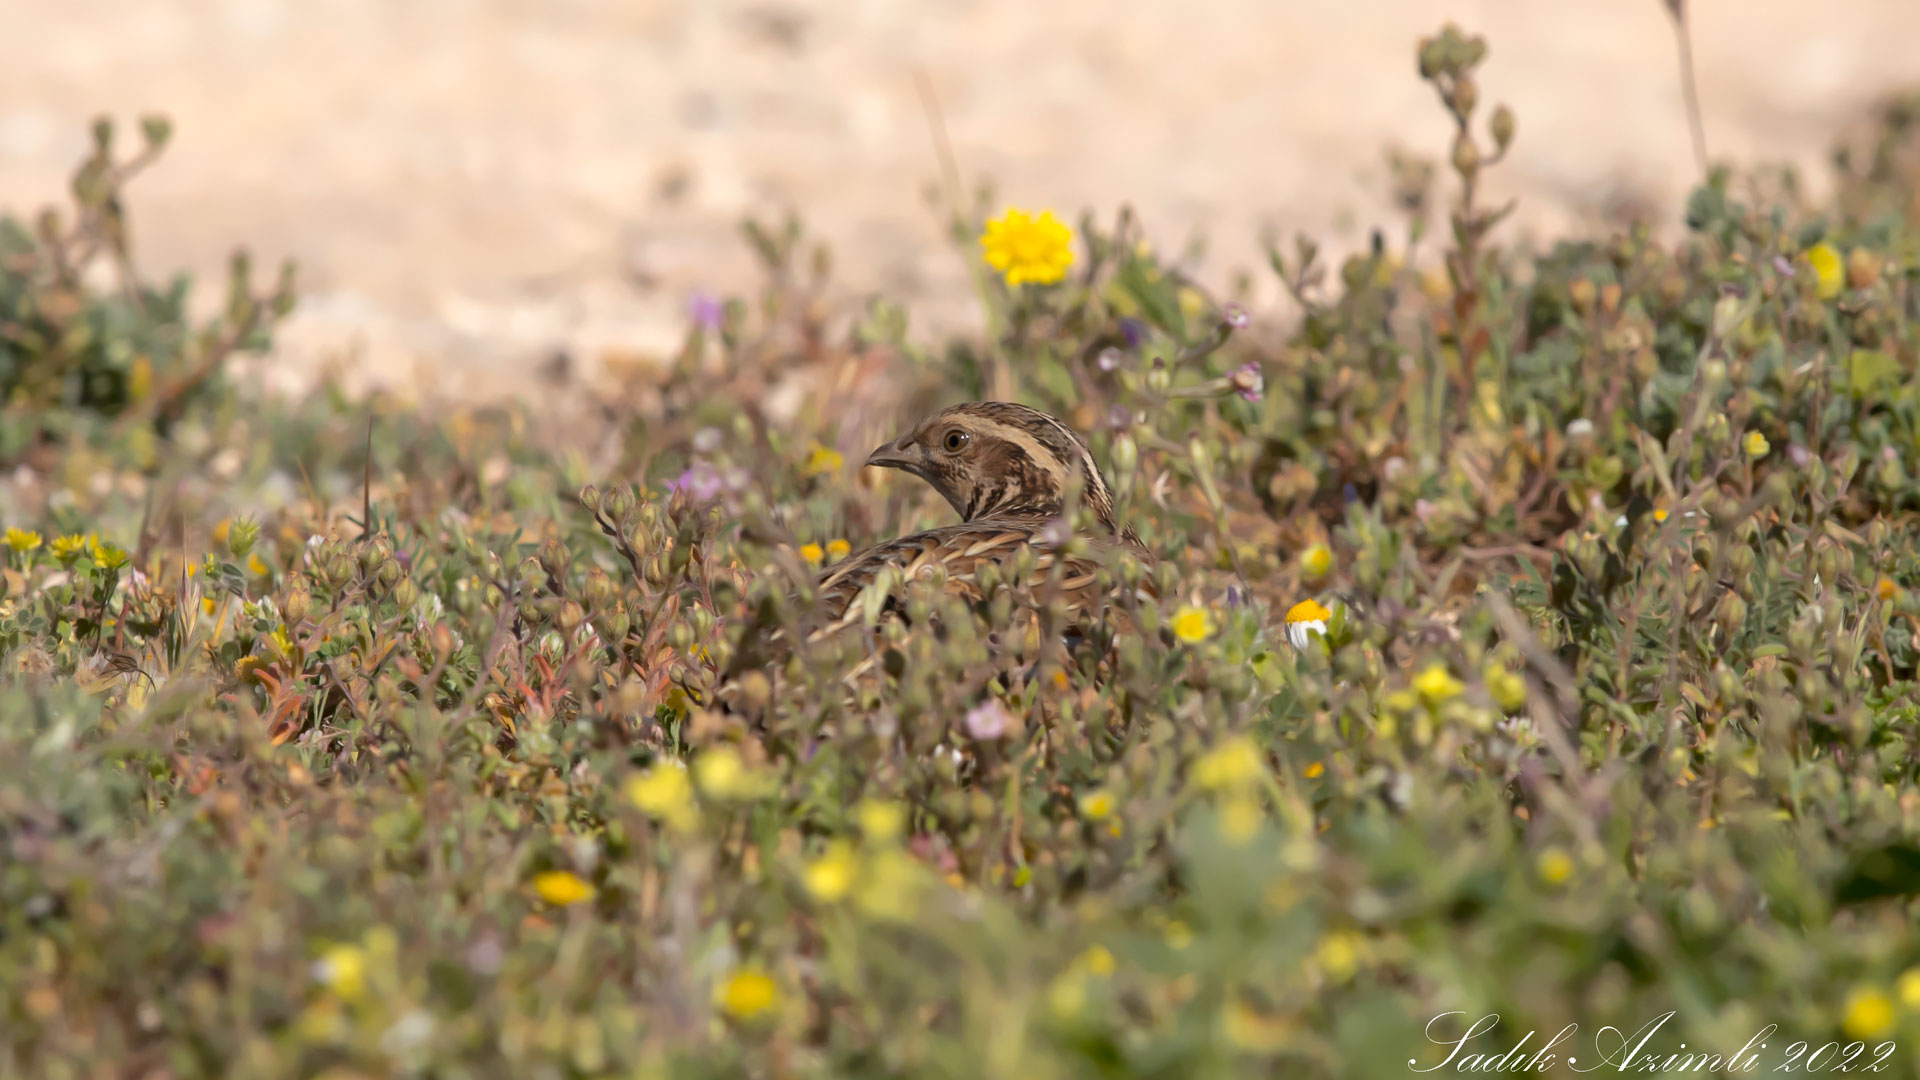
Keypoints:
pixel 1870 370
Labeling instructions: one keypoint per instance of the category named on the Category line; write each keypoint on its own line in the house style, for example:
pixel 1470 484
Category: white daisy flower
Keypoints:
pixel 1305 619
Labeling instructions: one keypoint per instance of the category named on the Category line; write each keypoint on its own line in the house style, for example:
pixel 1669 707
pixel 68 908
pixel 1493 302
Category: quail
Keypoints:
pixel 1012 473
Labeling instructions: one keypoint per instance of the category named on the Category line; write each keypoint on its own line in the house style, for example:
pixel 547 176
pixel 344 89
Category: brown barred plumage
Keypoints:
pixel 1011 472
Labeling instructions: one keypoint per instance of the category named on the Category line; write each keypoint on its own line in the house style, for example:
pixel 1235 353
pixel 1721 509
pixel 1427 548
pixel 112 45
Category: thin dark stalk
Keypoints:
pixel 1683 37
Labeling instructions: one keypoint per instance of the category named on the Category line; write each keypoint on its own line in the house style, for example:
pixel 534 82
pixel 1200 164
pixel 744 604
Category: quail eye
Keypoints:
pixel 955 440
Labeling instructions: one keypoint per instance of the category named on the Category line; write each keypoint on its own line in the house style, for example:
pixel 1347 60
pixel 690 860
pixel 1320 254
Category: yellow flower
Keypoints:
pixel 1025 248
pixel 1436 685
pixel 830 877
pixel 1508 690
pixel 838 549
pixel 1067 994
pixel 1339 955
pixel 1659 513
pixel 1828 272
pixel 1097 960
pixel 1232 765
pixel 1885 589
pixel 1908 987
pixel 677 703
pixel 664 792
pixel 812 553
pixel 22 540
pixel 722 775
pixel 822 460
pixel 1304 619
pixel 1239 819
pixel 1314 771
pixel 1251 1031
pixel 881 822
pixel 109 557
pixel 890 887
pixel 1179 935
pixel 1317 561
pixel 1192 625
pixel 255 565
pixel 69 548
pixel 1096 805
pixel 561 889
pixel 1869 1014
pixel 1756 445
pixel 343 970
pixel 1555 866
pixel 747 993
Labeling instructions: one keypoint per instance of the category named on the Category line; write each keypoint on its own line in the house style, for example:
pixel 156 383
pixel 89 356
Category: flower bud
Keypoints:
pixel 1863 269
pixel 241 536
pixel 1581 293
pixel 1800 643
pixel 1126 455
pixel 1731 614
pixel 1740 560
pixel 1466 156
pixel 1826 562
pixel 599 589
pixel 1197 451
pixel 1502 127
pixel 1466 94
pixel 590 497
pixel 1727 684
pixel 1726 315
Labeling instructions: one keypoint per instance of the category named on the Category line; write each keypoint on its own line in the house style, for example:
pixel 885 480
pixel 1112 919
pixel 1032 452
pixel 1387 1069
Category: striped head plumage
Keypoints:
pixel 996 459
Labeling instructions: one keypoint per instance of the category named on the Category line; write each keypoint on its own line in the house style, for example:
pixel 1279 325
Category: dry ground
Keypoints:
pixel 470 185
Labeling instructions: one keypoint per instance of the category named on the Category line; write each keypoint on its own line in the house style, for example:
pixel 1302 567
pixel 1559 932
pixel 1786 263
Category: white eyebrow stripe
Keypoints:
pixel 1096 483
pixel 1041 456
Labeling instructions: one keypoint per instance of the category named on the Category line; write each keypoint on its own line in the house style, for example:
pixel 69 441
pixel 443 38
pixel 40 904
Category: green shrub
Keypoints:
pixel 74 352
pixel 402 768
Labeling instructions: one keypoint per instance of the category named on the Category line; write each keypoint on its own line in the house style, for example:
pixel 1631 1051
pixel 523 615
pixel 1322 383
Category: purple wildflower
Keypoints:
pixel 1134 331
pixel 1119 418
pixel 1248 382
pixel 1782 266
pixel 1108 360
pixel 701 482
pixel 988 721
pixel 1237 316
pixel 707 311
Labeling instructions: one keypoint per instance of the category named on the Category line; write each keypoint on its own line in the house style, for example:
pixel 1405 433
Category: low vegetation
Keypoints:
pixel 341 739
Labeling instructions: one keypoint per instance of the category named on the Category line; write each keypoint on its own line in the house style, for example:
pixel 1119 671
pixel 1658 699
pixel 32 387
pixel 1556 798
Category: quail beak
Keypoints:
pixel 893 456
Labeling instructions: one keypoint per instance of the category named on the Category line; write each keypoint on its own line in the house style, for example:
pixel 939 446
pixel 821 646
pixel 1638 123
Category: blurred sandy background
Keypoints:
pixel 469 186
